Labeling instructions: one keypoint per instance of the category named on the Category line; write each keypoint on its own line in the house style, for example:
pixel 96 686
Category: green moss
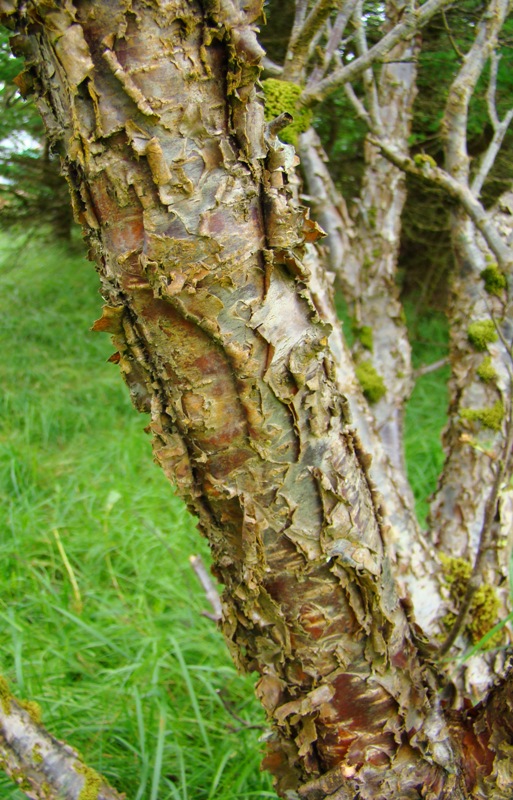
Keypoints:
pixel 364 336
pixel 423 160
pixel 485 371
pixel 484 614
pixel 457 572
pixel 92 782
pixel 371 381
pixel 484 608
pixel 490 417
pixel 283 96
pixel 5 695
pixel 37 758
pixel 494 280
pixel 481 333
pixel 33 709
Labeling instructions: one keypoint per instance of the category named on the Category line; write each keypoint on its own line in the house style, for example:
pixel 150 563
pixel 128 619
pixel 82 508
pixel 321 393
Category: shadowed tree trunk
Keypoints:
pixel 186 203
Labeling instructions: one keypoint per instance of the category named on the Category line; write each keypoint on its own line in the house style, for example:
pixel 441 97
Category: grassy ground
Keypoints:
pixel 100 613
pixel 124 665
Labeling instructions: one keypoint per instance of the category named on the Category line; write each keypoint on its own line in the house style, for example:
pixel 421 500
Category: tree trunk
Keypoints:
pixel 200 250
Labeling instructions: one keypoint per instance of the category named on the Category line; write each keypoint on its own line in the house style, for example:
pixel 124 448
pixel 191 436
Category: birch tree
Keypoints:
pixel 188 203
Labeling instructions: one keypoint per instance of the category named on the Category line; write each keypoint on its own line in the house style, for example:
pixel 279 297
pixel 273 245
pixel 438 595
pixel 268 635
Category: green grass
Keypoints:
pixel 100 613
pixel 426 412
pixel 123 664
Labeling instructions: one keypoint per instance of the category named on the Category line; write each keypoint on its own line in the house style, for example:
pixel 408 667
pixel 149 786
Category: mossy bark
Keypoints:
pixel 199 247
pixel 475 437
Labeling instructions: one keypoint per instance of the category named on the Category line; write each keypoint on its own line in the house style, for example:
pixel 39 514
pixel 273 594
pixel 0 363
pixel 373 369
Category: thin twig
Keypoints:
pixel 369 82
pixel 459 191
pixel 306 28
pixel 499 129
pixel 425 369
pixel 245 725
pixel 210 590
pixel 334 42
pixel 412 21
pixel 451 37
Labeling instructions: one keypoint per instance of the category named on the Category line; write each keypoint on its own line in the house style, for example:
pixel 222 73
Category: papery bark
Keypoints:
pixel 415 569
pixel 474 450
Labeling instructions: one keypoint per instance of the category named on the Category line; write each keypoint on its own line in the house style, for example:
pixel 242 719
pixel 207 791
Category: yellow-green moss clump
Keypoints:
pixel 490 417
pixel 484 614
pixel 457 574
pixel 423 160
pixel 5 696
pixel 283 96
pixel 484 608
pixel 33 709
pixel 485 371
pixel 481 333
pixel 371 381
pixel 92 782
pixel 494 280
pixel 365 336
pixel 37 758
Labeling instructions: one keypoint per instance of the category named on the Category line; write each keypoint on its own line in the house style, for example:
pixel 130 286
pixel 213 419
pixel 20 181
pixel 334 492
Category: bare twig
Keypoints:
pixel 271 68
pixel 210 590
pixel 357 104
pixel 369 82
pixel 499 129
pixel 459 191
pixel 334 40
pixel 244 724
pixel 463 87
pixel 413 20
pixel 451 37
pixel 306 28
pixel 426 369
pixel 278 124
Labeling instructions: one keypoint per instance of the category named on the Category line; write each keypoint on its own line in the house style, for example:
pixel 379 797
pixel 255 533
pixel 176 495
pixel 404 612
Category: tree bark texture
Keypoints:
pixel 416 569
pixel 382 338
pixel 476 437
pixel 200 253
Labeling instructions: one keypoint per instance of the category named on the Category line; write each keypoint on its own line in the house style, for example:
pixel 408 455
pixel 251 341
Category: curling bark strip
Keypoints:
pixel 199 249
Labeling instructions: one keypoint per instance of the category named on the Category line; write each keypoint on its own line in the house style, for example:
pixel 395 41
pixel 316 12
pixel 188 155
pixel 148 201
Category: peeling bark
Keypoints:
pixel 415 566
pixel 480 388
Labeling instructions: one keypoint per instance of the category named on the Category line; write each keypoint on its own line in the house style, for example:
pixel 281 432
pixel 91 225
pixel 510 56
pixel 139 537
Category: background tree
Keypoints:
pixel 220 319
pixel 32 190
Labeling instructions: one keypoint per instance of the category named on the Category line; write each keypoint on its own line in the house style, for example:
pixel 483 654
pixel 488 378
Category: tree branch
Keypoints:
pixel 459 191
pixel 413 21
pixel 486 537
pixel 43 767
pixel 302 36
pixel 369 83
pixel 334 40
pixel 499 129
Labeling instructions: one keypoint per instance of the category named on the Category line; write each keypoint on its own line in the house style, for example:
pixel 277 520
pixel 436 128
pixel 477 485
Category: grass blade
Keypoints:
pixel 159 752
pixel 192 695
